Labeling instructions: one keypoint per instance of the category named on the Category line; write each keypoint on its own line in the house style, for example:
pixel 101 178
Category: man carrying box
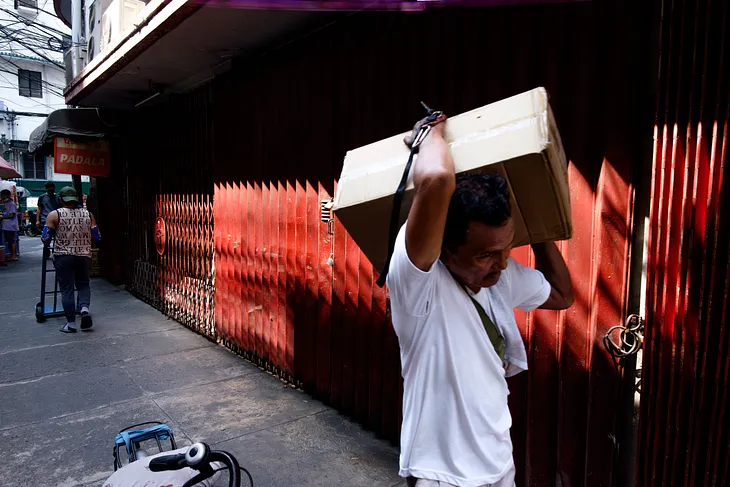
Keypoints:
pixel 453 289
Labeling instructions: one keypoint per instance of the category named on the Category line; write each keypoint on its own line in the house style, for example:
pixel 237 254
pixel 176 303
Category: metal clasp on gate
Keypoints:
pixel 326 215
pixel 631 338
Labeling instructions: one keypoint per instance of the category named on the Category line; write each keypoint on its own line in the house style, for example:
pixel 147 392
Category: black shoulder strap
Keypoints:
pixel 420 130
pixel 395 217
pixel 492 331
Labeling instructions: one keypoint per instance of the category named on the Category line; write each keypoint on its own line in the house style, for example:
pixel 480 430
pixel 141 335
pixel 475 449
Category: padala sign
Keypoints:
pixel 81 158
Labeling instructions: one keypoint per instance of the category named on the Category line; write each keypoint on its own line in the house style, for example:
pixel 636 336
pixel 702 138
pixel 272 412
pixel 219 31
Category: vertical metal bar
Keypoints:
pixel 324 302
pixel 376 332
pixel 282 291
pixel 251 265
pixel 363 337
pixel 265 303
pixel 339 279
pixel 273 256
pixel 237 297
pixel 55 288
pixel 300 246
pixel 291 274
pixel 310 275
pixel 349 323
pixel 258 312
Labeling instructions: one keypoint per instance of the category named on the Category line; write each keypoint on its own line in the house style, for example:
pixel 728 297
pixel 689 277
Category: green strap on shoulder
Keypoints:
pixel 492 331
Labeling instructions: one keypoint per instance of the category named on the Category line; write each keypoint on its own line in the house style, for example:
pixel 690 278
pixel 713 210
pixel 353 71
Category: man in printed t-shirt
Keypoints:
pixel 73 228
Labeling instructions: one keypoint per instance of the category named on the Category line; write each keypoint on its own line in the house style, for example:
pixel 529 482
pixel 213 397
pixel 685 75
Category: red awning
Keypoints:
pixel 8 171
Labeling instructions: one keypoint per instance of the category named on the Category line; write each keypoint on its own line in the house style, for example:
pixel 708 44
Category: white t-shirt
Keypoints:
pixel 455 416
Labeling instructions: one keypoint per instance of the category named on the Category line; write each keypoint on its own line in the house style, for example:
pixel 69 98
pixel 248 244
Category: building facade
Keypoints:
pixel 32 80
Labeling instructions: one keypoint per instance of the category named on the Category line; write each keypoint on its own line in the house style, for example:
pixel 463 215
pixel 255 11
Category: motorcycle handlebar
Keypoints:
pixel 199 457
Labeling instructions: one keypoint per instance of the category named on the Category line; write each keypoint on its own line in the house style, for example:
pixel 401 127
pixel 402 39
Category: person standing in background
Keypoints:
pixel 9 223
pixel 47 203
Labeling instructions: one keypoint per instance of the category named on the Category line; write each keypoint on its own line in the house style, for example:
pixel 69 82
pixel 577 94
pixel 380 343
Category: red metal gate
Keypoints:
pixel 687 346
pixel 169 180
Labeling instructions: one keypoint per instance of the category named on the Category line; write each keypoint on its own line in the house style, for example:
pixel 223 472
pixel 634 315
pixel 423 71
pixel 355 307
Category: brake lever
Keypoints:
pixel 168 462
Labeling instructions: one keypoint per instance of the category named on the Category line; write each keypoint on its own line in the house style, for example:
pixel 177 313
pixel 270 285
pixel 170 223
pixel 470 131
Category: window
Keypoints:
pixel 34 166
pixel 29 83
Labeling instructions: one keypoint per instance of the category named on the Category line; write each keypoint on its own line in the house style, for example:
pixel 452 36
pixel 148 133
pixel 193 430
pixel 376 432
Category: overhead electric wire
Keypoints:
pixel 29 21
pixel 40 54
pixel 42 29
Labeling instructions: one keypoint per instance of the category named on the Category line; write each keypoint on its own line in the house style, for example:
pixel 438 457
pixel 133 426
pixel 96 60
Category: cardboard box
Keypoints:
pixel 516 136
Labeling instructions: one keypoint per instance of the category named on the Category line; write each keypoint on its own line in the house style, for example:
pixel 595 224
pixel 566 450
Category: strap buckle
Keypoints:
pixel 434 118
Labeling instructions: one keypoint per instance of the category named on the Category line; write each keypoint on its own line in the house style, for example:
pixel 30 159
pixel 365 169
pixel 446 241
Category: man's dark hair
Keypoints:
pixel 482 198
pixel 6 191
pixel 50 185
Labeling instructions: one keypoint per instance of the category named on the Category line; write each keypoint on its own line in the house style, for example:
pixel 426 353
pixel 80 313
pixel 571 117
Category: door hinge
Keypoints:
pixel 327 216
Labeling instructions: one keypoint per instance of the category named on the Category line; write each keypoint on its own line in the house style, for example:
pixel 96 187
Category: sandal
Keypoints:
pixel 67 329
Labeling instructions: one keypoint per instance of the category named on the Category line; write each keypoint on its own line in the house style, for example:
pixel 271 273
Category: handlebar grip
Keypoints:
pixel 168 462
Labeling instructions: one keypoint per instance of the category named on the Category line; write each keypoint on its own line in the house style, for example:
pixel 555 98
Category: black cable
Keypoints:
pixel 250 479
pixel 32 22
pixel 40 27
pixel 58 65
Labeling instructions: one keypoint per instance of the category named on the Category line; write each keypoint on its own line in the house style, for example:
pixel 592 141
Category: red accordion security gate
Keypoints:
pixel 684 428
pixel 169 180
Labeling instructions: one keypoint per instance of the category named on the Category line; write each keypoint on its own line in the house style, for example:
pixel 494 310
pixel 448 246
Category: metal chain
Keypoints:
pixel 631 338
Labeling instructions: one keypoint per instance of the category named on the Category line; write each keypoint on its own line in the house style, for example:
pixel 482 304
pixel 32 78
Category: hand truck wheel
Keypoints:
pixel 39 315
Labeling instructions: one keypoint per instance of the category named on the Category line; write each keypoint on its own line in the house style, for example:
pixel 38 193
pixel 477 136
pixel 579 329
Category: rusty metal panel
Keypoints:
pixel 687 345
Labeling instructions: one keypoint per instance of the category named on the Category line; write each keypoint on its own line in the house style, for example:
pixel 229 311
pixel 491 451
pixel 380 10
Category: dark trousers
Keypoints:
pixel 72 272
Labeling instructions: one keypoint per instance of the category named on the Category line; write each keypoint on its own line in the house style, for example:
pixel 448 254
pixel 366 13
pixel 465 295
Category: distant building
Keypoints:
pixel 32 80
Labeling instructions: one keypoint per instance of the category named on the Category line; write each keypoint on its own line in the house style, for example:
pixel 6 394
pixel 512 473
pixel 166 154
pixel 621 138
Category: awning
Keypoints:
pixel 7 171
pixel 68 122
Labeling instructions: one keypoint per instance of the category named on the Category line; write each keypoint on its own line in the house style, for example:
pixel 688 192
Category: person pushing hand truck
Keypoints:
pixel 73 228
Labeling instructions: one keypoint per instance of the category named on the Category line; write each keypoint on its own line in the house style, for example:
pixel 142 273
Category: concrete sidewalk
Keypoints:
pixel 64 397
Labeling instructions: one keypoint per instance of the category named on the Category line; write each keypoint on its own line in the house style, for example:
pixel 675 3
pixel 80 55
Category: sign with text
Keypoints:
pixel 81 158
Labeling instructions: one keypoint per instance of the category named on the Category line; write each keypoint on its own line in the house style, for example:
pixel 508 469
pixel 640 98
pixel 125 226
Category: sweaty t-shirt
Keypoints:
pixel 455 416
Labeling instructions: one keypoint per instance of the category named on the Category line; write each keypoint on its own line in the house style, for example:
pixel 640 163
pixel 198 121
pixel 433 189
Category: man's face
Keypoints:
pixel 481 259
pixel 4 197
pixel 50 190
